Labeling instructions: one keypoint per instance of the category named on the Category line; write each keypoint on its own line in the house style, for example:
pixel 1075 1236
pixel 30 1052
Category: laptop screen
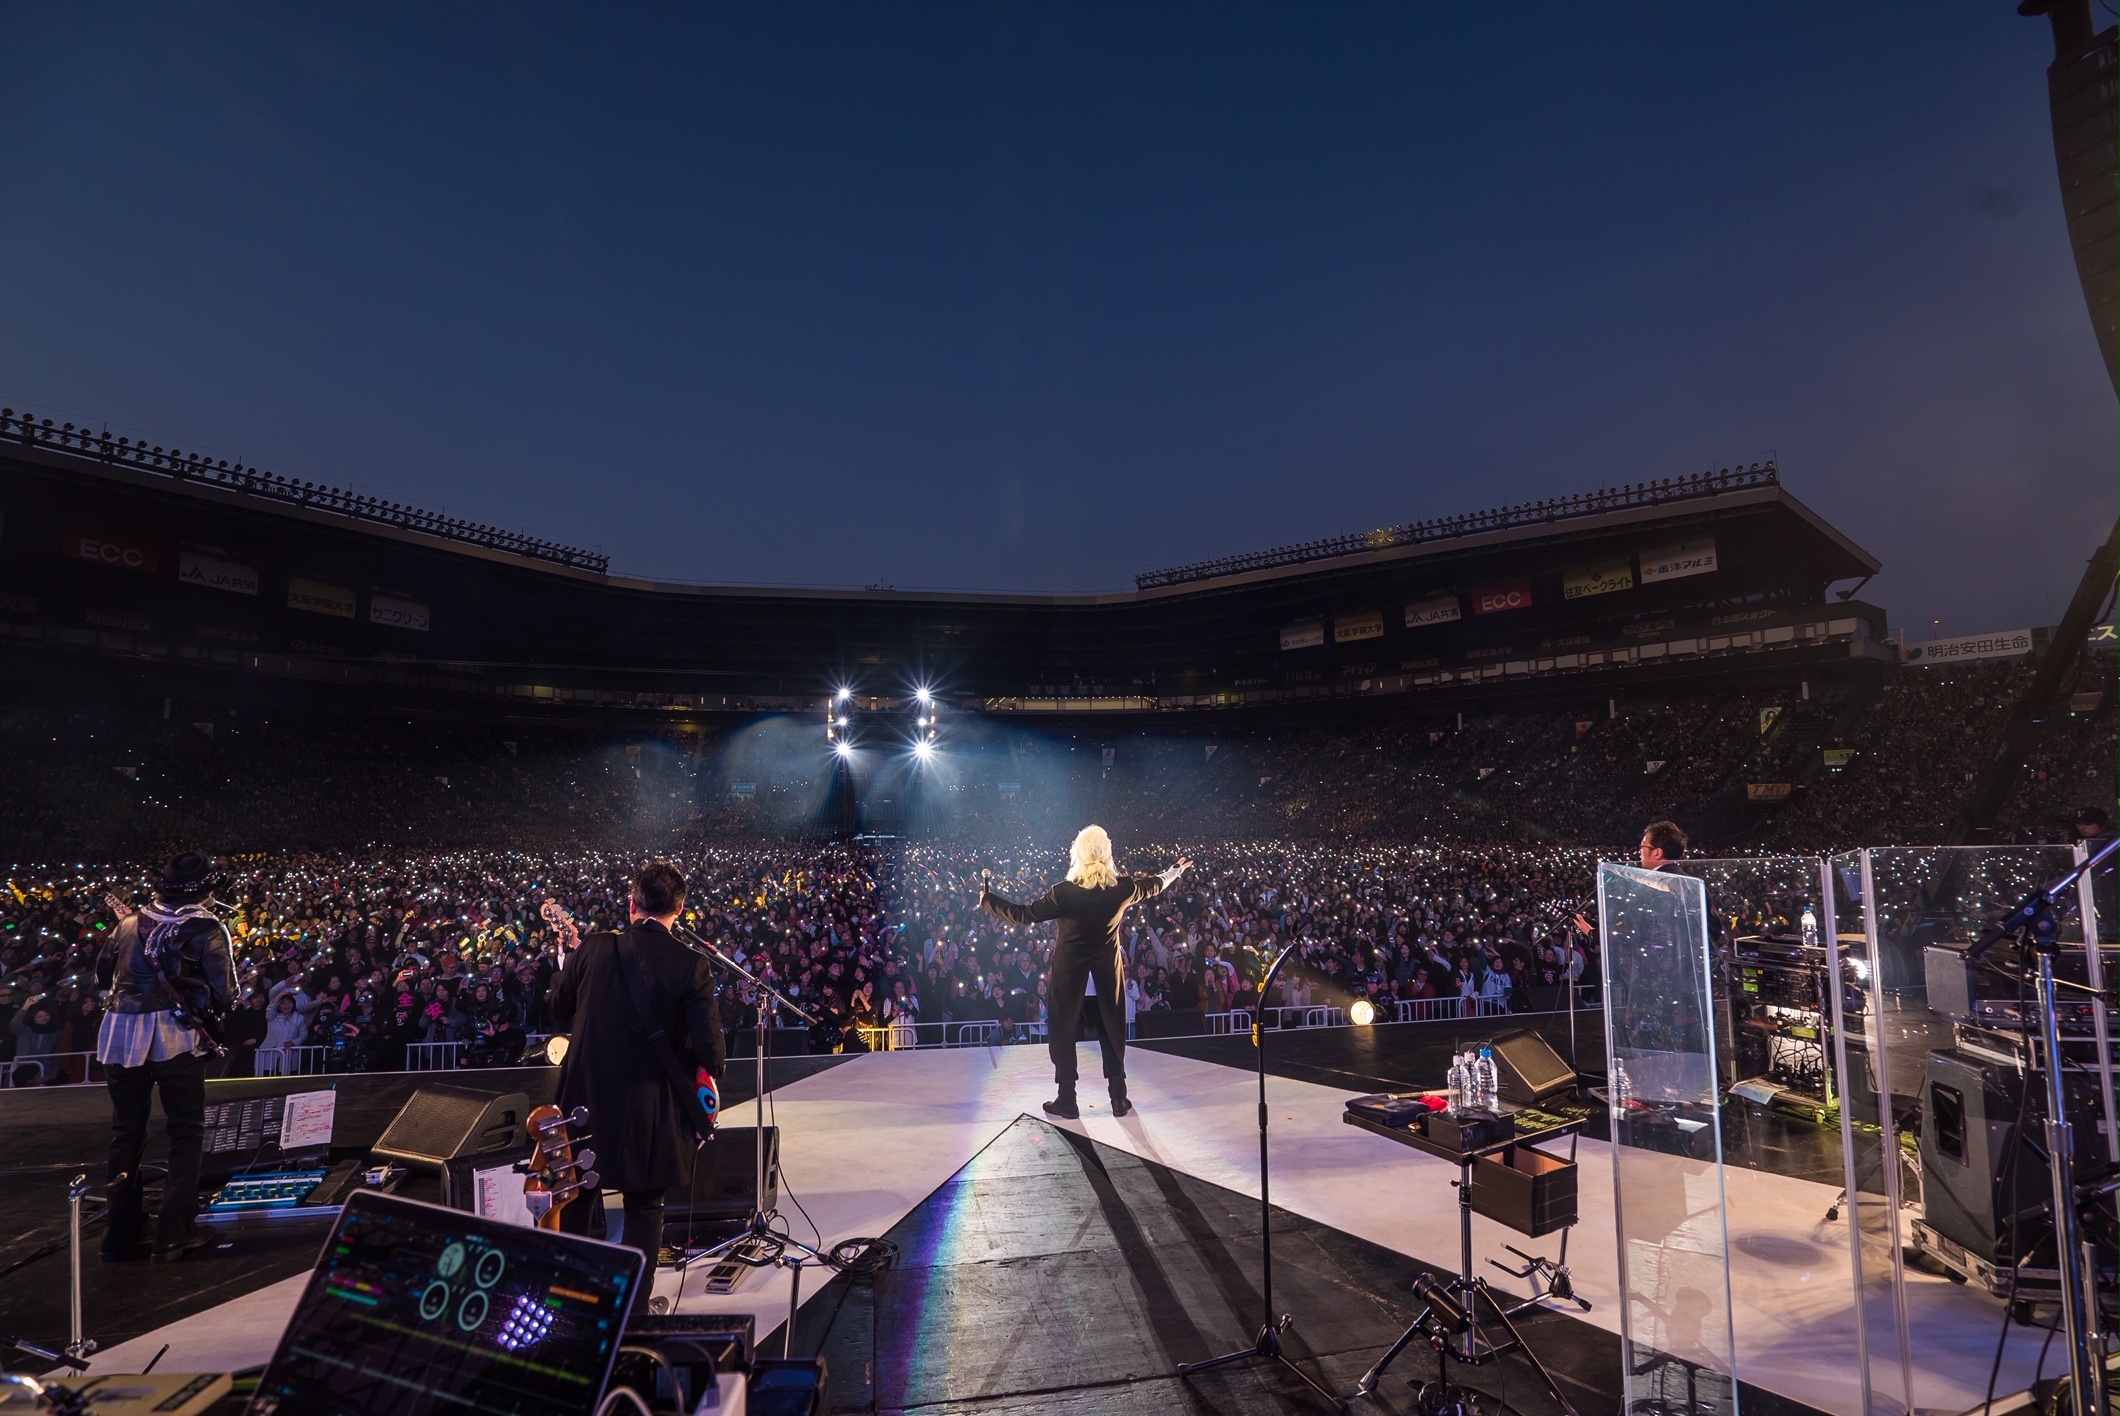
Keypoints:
pixel 413 1308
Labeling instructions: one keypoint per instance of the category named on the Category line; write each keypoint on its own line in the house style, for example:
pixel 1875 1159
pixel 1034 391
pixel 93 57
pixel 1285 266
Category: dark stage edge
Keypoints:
pixel 1053 1273
pixel 55 1133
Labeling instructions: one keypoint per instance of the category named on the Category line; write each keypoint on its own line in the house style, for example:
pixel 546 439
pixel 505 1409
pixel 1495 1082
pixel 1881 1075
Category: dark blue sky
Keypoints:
pixel 1034 298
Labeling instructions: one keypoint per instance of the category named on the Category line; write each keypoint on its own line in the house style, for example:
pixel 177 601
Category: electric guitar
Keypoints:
pixel 556 1171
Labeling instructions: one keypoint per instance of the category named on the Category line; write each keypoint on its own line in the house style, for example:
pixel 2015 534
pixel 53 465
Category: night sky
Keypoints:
pixel 1034 298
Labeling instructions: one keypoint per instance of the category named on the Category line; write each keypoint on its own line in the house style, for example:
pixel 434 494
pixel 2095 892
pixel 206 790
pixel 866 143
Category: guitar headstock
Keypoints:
pixel 555 914
pixel 557 1170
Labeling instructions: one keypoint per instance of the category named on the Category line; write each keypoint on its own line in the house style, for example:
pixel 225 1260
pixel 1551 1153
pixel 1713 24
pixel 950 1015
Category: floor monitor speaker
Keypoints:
pixel 439 1124
pixel 1529 1070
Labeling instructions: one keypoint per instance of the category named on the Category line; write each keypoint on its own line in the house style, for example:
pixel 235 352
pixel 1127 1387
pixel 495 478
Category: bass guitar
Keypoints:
pixel 557 1169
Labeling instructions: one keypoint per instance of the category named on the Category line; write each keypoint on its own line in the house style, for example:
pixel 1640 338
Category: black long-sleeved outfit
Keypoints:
pixel 1087 947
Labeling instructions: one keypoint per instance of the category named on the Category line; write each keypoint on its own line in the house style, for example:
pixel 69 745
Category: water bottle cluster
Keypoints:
pixel 1474 1082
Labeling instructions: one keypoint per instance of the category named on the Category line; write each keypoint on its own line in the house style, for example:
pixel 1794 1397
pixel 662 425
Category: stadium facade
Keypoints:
pixel 205 578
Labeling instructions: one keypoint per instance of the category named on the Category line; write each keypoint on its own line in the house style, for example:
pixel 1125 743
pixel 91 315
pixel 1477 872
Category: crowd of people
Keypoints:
pixel 363 957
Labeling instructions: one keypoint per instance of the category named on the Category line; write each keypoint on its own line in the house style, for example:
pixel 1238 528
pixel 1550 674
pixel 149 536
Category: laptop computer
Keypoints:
pixel 414 1308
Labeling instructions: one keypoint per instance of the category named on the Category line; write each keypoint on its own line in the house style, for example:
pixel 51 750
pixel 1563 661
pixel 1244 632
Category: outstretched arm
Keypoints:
pixel 1149 886
pixel 1043 908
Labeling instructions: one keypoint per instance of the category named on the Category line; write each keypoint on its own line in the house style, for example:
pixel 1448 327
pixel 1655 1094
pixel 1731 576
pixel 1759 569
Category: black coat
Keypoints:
pixel 1089 918
pixel 642 1140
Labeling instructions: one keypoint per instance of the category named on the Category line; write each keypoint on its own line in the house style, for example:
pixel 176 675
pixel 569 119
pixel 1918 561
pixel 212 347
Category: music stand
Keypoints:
pixel 1268 1343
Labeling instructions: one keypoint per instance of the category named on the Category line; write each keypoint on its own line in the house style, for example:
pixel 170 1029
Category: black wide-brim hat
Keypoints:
pixel 186 875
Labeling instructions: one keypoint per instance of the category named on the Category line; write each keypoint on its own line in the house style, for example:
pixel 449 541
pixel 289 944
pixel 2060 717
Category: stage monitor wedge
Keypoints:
pixel 439 1124
pixel 1529 1070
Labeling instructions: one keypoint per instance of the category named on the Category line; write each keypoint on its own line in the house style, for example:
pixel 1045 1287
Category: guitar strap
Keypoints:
pixel 692 1099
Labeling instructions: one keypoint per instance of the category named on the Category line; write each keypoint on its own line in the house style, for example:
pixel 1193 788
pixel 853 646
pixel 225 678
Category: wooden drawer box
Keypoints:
pixel 1528 1190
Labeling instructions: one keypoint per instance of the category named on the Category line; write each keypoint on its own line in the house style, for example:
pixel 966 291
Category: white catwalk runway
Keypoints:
pixel 864 1142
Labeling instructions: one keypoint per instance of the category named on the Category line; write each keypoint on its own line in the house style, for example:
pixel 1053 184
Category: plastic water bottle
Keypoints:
pixel 1456 1084
pixel 1487 1081
pixel 1622 1090
pixel 1810 928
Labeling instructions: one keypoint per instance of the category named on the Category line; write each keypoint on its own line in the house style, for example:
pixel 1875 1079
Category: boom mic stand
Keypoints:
pixel 773 1247
pixel 1268 1343
pixel 2036 924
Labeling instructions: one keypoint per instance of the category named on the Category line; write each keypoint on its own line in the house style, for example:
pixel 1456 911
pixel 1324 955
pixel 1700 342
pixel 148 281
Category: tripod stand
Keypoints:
pixel 1267 1344
pixel 758 1244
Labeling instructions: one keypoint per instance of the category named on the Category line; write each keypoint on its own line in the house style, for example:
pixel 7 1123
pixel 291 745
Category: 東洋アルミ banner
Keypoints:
pixel 2005 644
pixel 397 612
pixel 216 573
pixel 1436 609
pixel 1364 624
pixel 320 598
pixel 1599 578
pixel 121 552
pixel 1307 635
pixel 1493 599
pixel 1675 562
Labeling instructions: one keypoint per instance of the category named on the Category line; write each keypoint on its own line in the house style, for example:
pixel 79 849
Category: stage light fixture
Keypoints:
pixel 844 749
pixel 1361 1012
pixel 923 750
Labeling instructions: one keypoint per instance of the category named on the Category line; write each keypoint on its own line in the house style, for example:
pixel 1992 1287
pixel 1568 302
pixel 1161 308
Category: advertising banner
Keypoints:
pixel 1494 599
pixel 118 552
pixel 320 598
pixel 1768 791
pixel 1303 636
pixel 1363 624
pixel 1839 757
pixel 1676 562
pixel 1966 648
pixel 215 573
pixel 1768 716
pixel 397 612
pixel 1436 609
pixel 1599 578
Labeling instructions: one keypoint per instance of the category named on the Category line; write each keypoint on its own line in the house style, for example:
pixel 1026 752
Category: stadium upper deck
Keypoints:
pixel 225 575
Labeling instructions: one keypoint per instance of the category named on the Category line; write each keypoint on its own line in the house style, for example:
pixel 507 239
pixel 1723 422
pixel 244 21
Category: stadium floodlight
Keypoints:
pixel 923 696
pixel 844 693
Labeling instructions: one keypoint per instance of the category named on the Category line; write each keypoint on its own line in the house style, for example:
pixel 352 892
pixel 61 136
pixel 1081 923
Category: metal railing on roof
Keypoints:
pixel 1635 494
pixel 28 431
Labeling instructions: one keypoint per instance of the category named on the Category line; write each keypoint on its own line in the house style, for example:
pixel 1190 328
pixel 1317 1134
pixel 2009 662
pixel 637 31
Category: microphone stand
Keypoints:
pixel 2036 923
pixel 1268 1343
pixel 772 1247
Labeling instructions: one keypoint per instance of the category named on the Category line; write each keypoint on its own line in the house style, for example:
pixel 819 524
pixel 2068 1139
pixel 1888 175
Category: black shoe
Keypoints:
pixel 1063 1105
pixel 1121 1107
pixel 173 1253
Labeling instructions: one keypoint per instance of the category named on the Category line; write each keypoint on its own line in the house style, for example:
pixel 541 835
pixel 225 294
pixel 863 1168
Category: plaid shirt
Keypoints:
pixel 130 1039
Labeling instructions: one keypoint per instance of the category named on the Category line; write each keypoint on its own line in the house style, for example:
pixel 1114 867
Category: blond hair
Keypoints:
pixel 1090 859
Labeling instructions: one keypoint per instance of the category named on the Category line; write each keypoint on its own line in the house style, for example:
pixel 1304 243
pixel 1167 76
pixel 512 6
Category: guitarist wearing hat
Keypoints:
pixel 171 974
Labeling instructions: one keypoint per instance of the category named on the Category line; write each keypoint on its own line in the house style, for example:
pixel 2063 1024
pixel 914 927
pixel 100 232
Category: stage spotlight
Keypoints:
pixel 923 697
pixel 923 750
pixel 1361 1012
pixel 844 749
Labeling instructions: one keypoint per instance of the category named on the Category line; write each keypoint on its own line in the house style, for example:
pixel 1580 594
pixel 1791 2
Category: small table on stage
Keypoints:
pixel 1458 1334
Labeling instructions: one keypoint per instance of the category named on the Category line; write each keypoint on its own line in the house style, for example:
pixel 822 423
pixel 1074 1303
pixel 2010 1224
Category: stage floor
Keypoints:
pixel 875 1139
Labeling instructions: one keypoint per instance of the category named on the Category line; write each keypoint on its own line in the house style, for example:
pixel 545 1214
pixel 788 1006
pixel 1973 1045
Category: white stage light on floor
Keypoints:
pixel 1361 1012
pixel 556 1049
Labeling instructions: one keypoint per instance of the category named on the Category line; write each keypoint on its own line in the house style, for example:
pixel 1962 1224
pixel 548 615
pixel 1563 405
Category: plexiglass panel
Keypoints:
pixel 1798 1318
pixel 1660 1028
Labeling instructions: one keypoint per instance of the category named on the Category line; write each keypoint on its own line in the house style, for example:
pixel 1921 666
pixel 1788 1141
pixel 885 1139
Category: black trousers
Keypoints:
pixel 1072 969
pixel 643 1221
pixel 182 1081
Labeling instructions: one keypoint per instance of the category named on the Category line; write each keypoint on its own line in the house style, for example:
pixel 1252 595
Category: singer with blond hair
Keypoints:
pixel 1089 904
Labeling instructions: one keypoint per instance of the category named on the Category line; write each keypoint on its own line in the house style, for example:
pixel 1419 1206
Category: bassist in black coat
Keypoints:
pixel 642 1138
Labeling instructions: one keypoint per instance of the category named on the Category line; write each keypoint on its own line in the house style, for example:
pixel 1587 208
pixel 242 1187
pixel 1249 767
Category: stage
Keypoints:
pixel 1074 1266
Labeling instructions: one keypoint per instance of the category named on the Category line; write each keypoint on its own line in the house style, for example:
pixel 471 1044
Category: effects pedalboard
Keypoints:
pixel 249 1194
